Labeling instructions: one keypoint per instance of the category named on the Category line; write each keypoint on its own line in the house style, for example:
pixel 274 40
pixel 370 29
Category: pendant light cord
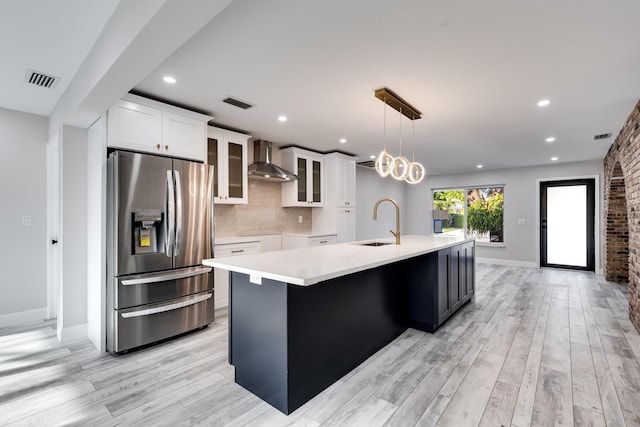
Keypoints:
pixel 400 131
pixel 384 126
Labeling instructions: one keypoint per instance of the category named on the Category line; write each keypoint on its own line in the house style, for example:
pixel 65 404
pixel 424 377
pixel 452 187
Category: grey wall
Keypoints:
pixel 370 187
pixel 520 196
pixel 23 190
pixel 74 229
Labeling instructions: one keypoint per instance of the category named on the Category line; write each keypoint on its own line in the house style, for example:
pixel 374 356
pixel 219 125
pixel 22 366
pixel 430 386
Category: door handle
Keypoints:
pixel 178 235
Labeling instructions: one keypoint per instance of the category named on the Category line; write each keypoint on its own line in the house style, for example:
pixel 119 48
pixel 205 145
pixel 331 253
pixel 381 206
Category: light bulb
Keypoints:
pixel 399 168
pixel 383 163
pixel 416 173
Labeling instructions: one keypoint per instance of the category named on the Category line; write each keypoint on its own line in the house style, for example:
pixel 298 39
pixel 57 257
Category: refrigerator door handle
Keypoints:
pixel 169 222
pixel 178 213
pixel 211 217
pixel 167 276
pixel 168 307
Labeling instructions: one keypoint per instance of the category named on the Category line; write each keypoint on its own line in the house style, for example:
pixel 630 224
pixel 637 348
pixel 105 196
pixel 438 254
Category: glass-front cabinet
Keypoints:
pixel 227 152
pixel 307 190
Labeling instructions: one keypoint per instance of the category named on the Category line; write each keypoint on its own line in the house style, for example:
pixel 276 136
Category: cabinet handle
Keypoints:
pixel 166 147
pixel 158 146
pixel 237 251
pixel 323 241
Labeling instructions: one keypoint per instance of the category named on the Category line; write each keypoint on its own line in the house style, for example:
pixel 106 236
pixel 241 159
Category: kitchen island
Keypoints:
pixel 301 319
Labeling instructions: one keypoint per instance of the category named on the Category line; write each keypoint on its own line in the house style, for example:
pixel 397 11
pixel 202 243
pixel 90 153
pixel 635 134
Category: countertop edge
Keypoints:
pixel 223 263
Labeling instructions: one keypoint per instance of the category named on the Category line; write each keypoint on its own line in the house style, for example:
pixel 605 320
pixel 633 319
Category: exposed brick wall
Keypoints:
pixel 617 229
pixel 622 193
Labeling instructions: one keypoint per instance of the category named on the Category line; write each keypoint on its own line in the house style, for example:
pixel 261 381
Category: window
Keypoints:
pixel 471 211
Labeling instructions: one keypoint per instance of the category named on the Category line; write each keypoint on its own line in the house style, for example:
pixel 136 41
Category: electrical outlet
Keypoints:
pixel 521 221
pixel 299 219
pixel 26 221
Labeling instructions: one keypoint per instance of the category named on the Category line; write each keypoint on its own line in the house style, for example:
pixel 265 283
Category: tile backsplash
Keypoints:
pixel 263 215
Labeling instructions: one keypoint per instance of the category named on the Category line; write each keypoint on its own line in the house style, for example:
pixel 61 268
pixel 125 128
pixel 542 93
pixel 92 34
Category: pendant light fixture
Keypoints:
pixel 416 171
pixel 398 167
pixel 384 160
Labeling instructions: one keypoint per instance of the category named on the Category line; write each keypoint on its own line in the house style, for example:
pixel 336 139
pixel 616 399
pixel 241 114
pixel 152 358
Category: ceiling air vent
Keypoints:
pixel 368 164
pixel 237 103
pixel 601 136
pixel 40 79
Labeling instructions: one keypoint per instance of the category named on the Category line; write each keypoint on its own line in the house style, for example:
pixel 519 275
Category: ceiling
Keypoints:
pixel 474 69
pixel 50 37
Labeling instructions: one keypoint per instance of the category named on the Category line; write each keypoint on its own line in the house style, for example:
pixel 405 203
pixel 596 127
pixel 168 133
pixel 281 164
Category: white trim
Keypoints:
pixel 507 262
pixel 596 220
pixel 20 317
pixel 72 333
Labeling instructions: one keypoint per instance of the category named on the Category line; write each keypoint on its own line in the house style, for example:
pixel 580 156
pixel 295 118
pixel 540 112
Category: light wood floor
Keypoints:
pixel 538 347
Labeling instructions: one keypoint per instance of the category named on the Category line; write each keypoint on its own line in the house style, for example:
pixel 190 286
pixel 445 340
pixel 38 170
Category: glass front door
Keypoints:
pixel 567 218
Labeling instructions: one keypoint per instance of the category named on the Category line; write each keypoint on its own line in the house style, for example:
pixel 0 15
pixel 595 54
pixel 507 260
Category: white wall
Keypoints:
pixel 370 187
pixel 520 202
pixel 72 313
pixel 96 232
pixel 23 138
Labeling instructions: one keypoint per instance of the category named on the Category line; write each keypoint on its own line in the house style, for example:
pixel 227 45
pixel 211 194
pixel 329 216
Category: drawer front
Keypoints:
pixel 150 288
pixel 147 324
pixel 322 240
pixel 233 249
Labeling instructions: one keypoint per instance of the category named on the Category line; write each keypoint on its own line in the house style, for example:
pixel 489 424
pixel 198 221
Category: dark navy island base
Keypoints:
pixel 290 342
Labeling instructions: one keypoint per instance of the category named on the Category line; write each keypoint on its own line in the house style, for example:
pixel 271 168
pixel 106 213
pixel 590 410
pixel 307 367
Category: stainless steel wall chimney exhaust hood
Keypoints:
pixel 262 168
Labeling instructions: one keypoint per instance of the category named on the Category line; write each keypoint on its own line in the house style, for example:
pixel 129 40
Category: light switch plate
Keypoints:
pixel 26 221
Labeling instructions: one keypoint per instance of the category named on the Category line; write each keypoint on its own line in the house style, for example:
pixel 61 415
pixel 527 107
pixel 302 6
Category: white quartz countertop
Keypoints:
pixel 309 234
pixel 230 240
pixel 307 266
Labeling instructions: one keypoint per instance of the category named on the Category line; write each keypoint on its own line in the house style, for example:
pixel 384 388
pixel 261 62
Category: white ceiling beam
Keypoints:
pixel 137 38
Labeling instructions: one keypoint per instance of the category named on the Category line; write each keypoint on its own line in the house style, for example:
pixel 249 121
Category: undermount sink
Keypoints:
pixel 375 243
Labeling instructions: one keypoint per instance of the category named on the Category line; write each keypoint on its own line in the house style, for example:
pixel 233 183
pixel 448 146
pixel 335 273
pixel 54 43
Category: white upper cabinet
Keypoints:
pixel 144 125
pixel 339 212
pixel 345 184
pixel 227 152
pixel 308 189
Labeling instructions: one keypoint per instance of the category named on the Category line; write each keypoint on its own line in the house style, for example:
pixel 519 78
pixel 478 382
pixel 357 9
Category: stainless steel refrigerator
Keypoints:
pixel 159 229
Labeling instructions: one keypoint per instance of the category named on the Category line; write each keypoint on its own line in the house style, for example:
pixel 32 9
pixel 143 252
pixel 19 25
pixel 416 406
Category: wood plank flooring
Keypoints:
pixel 538 347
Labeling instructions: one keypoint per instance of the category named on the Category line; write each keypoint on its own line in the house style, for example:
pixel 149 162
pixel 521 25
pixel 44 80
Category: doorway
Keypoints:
pixel 53 226
pixel 567 224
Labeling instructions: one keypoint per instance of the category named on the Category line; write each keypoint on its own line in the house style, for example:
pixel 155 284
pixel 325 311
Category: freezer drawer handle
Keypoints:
pixel 167 307
pixel 165 277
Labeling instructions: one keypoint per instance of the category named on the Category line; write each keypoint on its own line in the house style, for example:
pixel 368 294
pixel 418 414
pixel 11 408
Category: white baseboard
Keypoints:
pixel 508 262
pixel 20 317
pixel 72 333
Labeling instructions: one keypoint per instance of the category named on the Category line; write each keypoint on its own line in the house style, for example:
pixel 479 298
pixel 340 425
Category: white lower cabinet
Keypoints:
pixel 294 241
pixel 346 224
pixel 221 277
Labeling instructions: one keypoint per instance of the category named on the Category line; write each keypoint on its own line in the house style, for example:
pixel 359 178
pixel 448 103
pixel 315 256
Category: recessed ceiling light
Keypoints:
pixel 169 79
pixel 553 159
pixel 373 156
pixel 543 102
pixel 479 166
pixel 282 118
pixel 550 139
pixel 343 140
